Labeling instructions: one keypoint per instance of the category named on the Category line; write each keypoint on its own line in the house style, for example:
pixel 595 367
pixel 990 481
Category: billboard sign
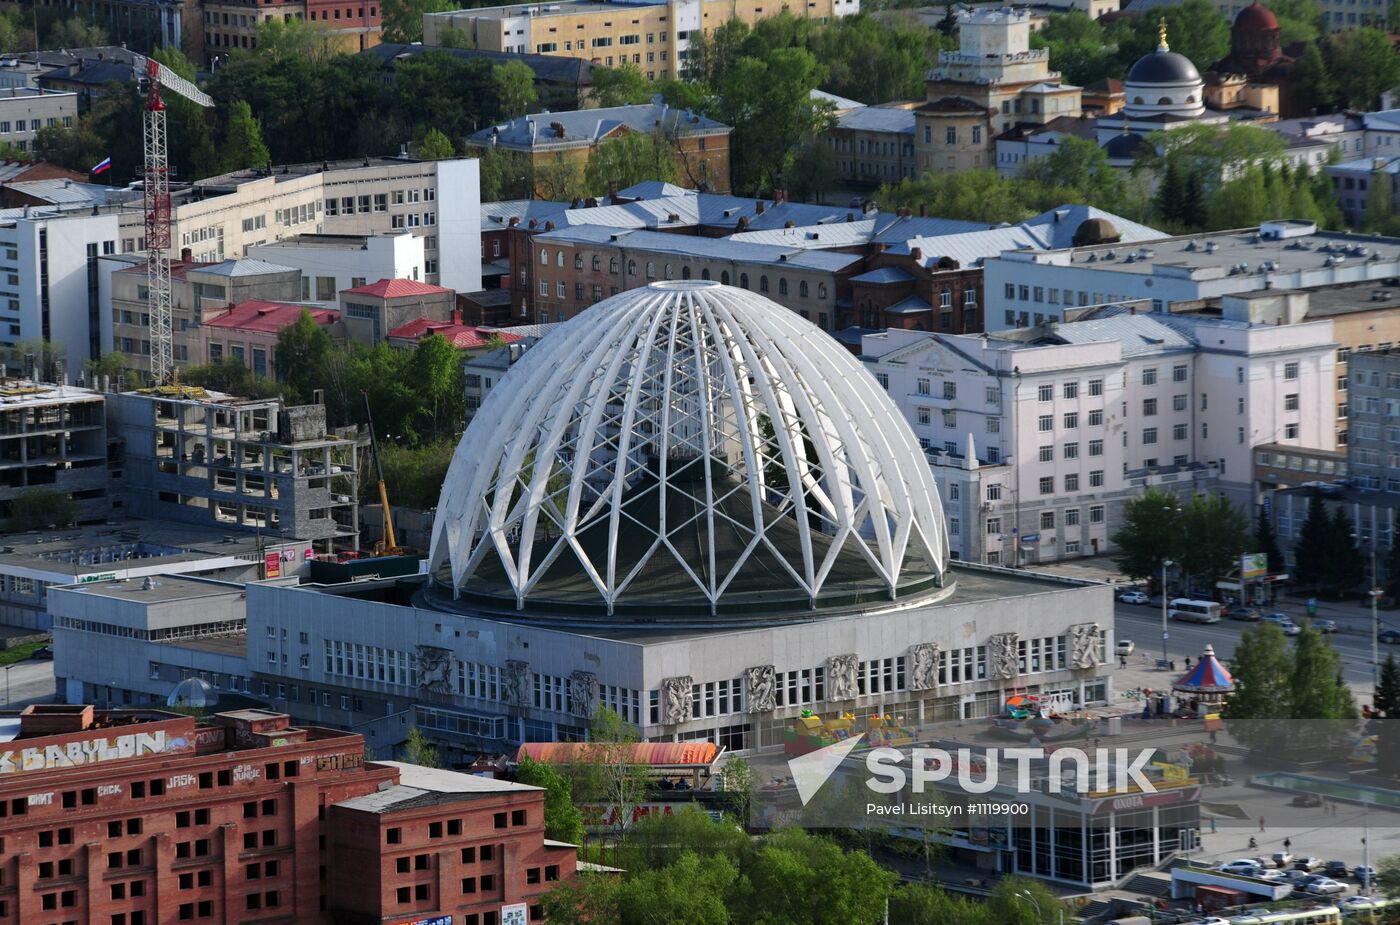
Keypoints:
pixel 1254 565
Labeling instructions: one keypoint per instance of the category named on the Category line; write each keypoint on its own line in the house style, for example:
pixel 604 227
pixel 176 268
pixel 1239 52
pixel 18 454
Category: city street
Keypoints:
pixel 1143 625
pixel 29 681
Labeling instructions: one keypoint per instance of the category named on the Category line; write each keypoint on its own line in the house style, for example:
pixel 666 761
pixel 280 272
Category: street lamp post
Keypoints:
pixel 1375 619
pixel 1166 563
pixel 1026 894
pixel 8 701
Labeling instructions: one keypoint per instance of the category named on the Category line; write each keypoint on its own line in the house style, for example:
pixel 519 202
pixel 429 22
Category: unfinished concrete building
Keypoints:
pixel 205 457
pixel 55 438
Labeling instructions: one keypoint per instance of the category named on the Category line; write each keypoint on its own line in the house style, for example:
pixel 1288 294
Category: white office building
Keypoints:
pixel 1037 436
pixel 332 263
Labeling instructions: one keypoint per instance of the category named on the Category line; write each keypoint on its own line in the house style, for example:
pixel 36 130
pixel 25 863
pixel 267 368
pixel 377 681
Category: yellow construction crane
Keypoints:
pixel 389 545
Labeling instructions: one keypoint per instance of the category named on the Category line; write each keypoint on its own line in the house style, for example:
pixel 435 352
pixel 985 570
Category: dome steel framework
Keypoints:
pixel 683 449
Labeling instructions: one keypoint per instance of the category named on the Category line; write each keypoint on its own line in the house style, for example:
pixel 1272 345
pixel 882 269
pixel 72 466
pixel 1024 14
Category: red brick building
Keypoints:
pixel 143 817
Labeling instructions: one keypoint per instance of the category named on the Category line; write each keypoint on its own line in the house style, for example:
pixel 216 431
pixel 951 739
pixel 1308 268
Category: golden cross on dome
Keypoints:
pixel 1162 34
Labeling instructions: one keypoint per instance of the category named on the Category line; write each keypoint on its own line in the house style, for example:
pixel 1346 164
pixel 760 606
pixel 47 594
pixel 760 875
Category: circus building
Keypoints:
pixel 693 507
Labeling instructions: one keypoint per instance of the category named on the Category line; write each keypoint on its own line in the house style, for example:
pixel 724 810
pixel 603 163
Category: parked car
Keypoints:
pixel 1132 597
pixel 1299 877
pixel 1326 886
pixel 1336 869
pixel 1307 880
pixel 1263 862
pixel 1279 618
pixel 1290 628
pixel 1282 859
pixel 1248 614
pixel 1390 637
pixel 1364 872
pixel 44 655
pixel 1308 861
pixel 1273 876
pixel 1125 647
pixel 1247 867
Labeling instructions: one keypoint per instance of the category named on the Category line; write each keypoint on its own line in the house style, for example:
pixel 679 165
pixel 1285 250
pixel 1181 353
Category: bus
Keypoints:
pixel 1194 611
pixel 1307 915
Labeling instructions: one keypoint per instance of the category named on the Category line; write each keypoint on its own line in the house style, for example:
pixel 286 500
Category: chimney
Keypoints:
pixel 759 207
pixel 549 226
pixel 574 204
pixel 591 203
pixel 850 216
pixel 789 224
pixel 534 223
pixel 917 253
pixel 612 189
pixel 514 220
pixel 186 255
pixel 743 223
pixel 923 210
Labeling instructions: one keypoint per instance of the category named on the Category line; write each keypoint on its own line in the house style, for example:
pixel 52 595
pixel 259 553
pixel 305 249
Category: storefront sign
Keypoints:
pixel 272 565
pixel 515 914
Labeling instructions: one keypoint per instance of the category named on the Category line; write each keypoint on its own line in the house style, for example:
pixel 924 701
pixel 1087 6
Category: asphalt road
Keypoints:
pixel 1143 625
pixel 26 682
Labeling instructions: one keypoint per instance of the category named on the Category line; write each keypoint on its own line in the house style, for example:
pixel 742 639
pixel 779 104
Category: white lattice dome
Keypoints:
pixel 638 464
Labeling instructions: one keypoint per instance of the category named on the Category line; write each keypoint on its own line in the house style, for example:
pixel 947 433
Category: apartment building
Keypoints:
pixel 699 144
pixel 25 110
pixel 1072 419
pixel 1373 447
pixel 577 267
pixel 874 144
pixel 199 292
pixel 229 24
pixel 560 83
pixel 207 458
pixel 248 332
pixel 53 437
pixel 144 816
pixel 51 288
pixel 652 34
pixel 331 263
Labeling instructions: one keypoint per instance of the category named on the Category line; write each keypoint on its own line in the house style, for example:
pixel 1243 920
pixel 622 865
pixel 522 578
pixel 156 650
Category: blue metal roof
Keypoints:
pixel 705 248
pixel 878 119
pixel 883 275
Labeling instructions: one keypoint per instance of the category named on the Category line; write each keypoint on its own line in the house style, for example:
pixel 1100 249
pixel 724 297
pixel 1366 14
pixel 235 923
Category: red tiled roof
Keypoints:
pixel 268 317
pixel 397 288
pixel 461 336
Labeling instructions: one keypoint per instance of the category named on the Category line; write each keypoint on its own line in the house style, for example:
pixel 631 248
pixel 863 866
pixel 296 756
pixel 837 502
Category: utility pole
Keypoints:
pixel 1375 618
pixel 1166 563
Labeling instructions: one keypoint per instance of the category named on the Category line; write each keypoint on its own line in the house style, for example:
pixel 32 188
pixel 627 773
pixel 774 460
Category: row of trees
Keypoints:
pixel 1326 555
pixel 1204 537
pixel 1211 177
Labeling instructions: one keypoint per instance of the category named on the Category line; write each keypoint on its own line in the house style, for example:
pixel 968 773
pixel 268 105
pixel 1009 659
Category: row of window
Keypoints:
pixel 370 663
pixel 1047 519
pixel 33 125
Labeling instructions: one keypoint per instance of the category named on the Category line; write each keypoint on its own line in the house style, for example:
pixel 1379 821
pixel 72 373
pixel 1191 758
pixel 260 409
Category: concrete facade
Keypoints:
pixel 332 263
pixel 53 438
pixel 655 36
pixel 1373 419
pixel 255 465
pixel 477 679
pixel 23 111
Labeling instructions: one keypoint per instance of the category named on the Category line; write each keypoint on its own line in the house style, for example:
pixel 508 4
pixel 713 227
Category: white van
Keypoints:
pixel 1194 611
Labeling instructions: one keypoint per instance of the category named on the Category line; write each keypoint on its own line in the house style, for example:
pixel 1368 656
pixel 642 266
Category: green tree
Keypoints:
pixel 1216 533
pixel 620 86
pixel 418 750
pixel 606 772
pixel 589 899
pixel 1298 20
pixel 403 19
pixel 768 102
pixel 280 41
pixel 111 365
pixel 1312 87
pixel 1380 202
pixel 41 509
pixel 1310 553
pixel 1022 901
pixel 1153 531
pixel 1241 202
pixel 74 33
pixel 814 172
pixel 562 820
pixel 243 141
pixel 1081 168
pixel 798 877
pixel 1364 65
pixel 515 88
pixel 436 372
pixel 1266 541
pixel 559 181
pixel 302 348
pixel 1315 686
pixel 449 37
pixel 737 783
pixel 505 175
pixel 1387 693
pixel 435 146
pixel 1262 669
pixel 1346 569
pixel 973 195
pixel 414 475
pixel 629 159
pixel 691 891
pixel 229 375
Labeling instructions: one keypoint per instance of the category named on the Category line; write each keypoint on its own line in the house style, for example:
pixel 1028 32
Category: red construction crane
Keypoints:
pixel 157 202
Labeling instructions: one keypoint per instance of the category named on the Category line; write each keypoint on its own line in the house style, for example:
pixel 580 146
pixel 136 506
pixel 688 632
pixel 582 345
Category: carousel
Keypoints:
pixel 1205 688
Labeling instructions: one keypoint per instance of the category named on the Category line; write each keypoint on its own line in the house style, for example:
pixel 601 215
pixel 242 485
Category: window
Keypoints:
pixel 950 390
pixel 1071 451
pixel 993 492
pixel 1095 387
pixel 993 526
pixel 1096 514
pixel 1149 376
pixel 1047 454
pixel 1290 370
pixel 1071 390
pixel 1179 373
pixel 1047 423
pixel 1047 485
pixel 1072 517
pixel 1047 520
pixel 1096 478
pixel 1290 402
pixel 1149 407
pixel 1047 392
pixel 1149 436
pixel 1179 432
pixel 1071 420
pixel 1290 431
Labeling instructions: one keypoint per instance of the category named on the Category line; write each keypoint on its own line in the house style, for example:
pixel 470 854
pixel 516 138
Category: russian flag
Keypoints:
pixel 105 165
